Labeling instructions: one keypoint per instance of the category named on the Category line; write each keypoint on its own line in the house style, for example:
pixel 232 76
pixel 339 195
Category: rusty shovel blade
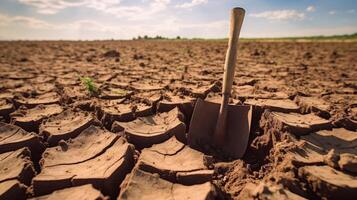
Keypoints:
pixel 203 124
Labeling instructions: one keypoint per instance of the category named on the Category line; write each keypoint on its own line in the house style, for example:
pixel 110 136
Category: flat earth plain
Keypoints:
pixel 127 138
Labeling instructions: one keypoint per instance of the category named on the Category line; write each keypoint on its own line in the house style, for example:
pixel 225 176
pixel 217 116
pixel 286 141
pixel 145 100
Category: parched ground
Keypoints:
pixel 128 138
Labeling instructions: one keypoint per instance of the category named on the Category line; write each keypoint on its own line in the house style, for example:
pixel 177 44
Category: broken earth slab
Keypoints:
pixel 217 98
pixel 143 185
pixel 17 165
pixel 30 119
pixel 298 124
pixel 64 82
pixel 11 84
pixel 245 81
pixel 111 54
pixel 171 100
pixel 307 154
pixel 109 111
pixel 329 183
pixel 278 105
pixel 23 90
pixel 245 91
pixel 87 192
pixel 16 171
pixel 267 190
pixel 6 107
pixel 314 104
pixel 44 88
pixel 176 162
pixel 65 125
pixel 43 99
pixel 96 157
pixel 196 89
pixel 145 86
pixel 352 111
pixel 206 77
pixel 104 76
pixel 110 92
pixel 348 162
pixel 72 93
pixel 90 143
pixel 347 122
pixel 270 85
pixel 7 95
pixel 149 97
pixel 339 139
pixel 248 91
pixel 146 131
pixel 13 137
pixel 336 147
pixel 12 189
pixel 42 78
pixel 20 74
pixel 123 82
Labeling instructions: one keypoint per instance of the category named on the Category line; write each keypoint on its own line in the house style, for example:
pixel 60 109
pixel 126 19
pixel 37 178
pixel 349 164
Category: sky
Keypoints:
pixel 125 19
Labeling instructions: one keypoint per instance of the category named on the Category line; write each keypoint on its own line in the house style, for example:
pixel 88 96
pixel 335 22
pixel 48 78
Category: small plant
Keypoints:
pixel 89 84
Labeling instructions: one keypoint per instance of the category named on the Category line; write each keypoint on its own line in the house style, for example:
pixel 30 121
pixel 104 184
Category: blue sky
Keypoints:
pixel 125 19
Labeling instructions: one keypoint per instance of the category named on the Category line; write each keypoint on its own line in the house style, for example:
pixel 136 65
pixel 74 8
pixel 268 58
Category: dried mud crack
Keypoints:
pixel 79 192
pixel 16 173
pixel 59 140
pixel 95 157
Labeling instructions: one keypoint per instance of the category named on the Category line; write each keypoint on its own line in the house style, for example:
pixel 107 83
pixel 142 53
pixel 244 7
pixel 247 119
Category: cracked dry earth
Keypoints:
pixel 128 141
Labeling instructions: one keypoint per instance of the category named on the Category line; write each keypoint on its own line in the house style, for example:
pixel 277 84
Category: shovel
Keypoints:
pixel 224 126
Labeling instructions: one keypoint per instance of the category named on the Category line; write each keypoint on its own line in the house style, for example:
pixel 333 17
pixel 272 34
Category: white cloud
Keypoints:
pixel 54 6
pixel 311 9
pixel 3 20
pixel 23 20
pixel 111 7
pixel 155 7
pixel 191 4
pixel 107 6
pixel 332 12
pixel 351 11
pixel 280 15
pixel 124 11
pixel 137 12
pixel 91 29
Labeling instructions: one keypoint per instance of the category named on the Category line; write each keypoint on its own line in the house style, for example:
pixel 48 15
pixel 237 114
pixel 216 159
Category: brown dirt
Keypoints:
pixel 176 162
pixel 87 192
pixel 301 144
pixel 140 185
pixel 68 124
pixel 95 157
pixel 146 131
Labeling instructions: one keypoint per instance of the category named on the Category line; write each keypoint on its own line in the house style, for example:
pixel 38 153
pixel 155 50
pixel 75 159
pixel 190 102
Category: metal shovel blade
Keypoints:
pixel 203 124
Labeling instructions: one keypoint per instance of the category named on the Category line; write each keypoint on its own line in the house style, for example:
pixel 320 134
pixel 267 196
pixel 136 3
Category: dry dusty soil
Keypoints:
pixel 128 139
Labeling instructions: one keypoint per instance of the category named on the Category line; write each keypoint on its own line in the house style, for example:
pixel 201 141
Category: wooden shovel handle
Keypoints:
pixel 237 16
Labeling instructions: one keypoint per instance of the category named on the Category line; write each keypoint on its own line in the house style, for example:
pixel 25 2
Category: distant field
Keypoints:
pixel 348 38
pixel 333 38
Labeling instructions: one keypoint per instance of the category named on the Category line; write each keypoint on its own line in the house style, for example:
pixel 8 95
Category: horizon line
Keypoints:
pixel 336 36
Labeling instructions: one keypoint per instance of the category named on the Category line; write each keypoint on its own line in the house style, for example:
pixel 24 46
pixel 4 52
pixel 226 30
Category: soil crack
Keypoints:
pixel 91 158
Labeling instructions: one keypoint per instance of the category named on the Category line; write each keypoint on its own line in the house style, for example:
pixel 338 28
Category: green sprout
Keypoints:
pixel 89 84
